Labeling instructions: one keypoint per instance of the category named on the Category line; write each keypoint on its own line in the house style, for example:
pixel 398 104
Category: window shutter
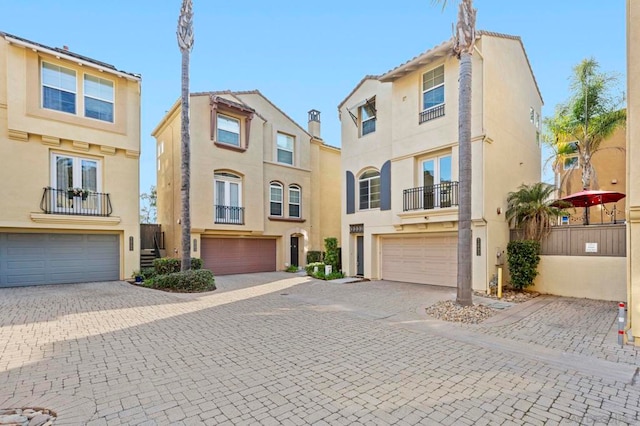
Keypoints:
pixel 351 186
pixel 385 186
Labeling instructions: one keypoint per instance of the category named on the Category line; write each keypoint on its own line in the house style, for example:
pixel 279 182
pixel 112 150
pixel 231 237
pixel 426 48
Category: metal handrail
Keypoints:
pixel 430 197
pixel 75 202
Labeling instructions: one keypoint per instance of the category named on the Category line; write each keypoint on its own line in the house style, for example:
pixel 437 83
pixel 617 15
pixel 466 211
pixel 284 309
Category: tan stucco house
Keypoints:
pixel 609 163
pixel 400 162
pixel 633 171
pixel 264 190
pixel 69 160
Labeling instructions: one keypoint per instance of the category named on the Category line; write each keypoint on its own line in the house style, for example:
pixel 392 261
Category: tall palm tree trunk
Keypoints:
pixel 185 166
pixel 185 42
pixel 465 40
pixel 464 166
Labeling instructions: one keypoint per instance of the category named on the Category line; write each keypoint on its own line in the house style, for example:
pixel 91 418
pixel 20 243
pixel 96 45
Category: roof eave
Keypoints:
pixel 58 54
pixel 430 55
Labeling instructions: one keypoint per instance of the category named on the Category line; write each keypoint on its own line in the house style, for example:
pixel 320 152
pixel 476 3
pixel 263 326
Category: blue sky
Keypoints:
pixel 305 55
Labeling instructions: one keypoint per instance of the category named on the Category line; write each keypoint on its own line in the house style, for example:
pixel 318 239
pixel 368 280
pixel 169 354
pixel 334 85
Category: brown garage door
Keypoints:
pixel 226 256
pixel 420 259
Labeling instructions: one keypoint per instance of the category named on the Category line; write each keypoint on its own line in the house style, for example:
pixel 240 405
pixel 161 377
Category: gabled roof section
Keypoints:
pixel 517 38
pixel 446 48
pixel 68 55
pixel 443 49
pixel 365 78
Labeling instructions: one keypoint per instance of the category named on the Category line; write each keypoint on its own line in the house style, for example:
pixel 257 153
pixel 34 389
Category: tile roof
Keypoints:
pixel 63 52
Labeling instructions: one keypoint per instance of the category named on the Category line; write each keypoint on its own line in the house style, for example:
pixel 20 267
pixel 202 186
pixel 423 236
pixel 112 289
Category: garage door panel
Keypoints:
pixel 226 256
pixel 420 259
pixel 34 259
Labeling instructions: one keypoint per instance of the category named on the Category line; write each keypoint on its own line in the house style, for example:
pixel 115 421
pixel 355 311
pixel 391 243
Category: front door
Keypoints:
pixel 360 255
pixel 294 251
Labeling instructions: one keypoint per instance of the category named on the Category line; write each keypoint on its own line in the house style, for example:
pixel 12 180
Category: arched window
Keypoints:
pixel 275 198
pixel 369 184
pixel 295 198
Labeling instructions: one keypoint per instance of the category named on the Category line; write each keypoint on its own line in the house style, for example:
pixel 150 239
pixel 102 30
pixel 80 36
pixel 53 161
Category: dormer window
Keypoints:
pixel 228 130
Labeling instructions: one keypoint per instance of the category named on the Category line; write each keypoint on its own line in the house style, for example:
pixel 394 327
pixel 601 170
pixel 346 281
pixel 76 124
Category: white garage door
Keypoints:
pixel 420 259
pixel 35 259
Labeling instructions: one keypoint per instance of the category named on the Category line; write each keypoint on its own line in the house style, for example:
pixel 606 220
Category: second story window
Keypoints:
pixel 369 184
pixel 432 94
pixel 98 98
pixel 228 198
pixel 228 130
pixel 58 88
pixel 368 117
pixel 294 201
pixel 285 148
pixel 275 199
pixel 571 159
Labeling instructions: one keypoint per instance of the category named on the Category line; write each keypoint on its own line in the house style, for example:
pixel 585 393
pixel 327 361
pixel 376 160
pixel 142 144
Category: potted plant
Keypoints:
pixel 77 192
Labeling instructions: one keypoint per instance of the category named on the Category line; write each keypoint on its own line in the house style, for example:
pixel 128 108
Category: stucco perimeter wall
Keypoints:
pixel 600 278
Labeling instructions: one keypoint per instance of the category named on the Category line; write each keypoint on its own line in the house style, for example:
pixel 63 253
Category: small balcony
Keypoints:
pixel 229 215
pixel 431 197
pixel 431 114
pixel 75 202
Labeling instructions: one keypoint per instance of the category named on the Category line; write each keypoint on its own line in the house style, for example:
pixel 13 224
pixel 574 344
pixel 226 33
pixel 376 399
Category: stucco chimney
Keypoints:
pixel 314 123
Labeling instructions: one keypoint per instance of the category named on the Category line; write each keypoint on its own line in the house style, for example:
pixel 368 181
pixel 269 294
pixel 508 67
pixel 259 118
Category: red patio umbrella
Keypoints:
pixel 588 198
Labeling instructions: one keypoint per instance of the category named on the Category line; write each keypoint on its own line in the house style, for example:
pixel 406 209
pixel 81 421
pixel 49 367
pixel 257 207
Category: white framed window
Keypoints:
pixel 98 98
pixel 294 201
pixel 227 130
pixel 228 198
pixel 571 162
pixel 433 88
pixel 275 199
pixel 369 185
pixel 285 148
pixel 531 114
pixel 438 187
pixel 75 183
pixel 367 114
pixel 537 120
pixel 160 151
pixel 58 88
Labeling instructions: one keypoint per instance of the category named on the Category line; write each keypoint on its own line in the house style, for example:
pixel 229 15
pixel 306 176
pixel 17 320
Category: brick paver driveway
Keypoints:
pixel 284 349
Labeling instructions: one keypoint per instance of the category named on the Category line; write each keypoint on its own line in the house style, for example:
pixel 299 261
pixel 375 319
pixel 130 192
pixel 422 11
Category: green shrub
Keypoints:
pixel 523 262
pixel 309 268
pixel 334 275
pixel 314 256
pixel 292 268
pixel 196 263
pixel 147 273
pixel 169 265
pixel 331 253
pixel 184 282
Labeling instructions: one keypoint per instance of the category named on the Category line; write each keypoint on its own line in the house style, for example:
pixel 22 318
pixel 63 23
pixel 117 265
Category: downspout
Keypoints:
pixel 484 140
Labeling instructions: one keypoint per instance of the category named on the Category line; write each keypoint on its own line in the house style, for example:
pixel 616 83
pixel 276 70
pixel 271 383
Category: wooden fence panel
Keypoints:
pixel 572 240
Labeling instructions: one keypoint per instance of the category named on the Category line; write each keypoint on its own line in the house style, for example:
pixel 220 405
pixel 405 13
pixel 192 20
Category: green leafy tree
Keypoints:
pixel 185 42
pixel 148 210
pixel 529 209
pixel 464 43
pixel 590 116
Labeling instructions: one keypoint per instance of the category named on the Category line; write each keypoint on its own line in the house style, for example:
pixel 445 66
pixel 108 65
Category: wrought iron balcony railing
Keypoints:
pixel 75 202
pixel 432 113
pixel 430 197
pixel 229 215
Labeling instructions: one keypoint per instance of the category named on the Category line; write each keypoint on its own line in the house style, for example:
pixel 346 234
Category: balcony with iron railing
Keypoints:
pixel 431 197
pixel 431 113
pixel 75 202
pixel 229 215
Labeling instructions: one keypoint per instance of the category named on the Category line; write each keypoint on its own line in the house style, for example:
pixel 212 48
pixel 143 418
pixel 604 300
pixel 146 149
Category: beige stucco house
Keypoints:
pixel 263 189
pixel 400 162
pixel 633 171
pixel 610 165
pixel 69 160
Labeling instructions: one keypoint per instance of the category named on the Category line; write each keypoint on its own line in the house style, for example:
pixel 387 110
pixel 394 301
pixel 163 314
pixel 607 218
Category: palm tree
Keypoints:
pixel 465 38
pixel 185 42
pixel 529 209
pixel 590 116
